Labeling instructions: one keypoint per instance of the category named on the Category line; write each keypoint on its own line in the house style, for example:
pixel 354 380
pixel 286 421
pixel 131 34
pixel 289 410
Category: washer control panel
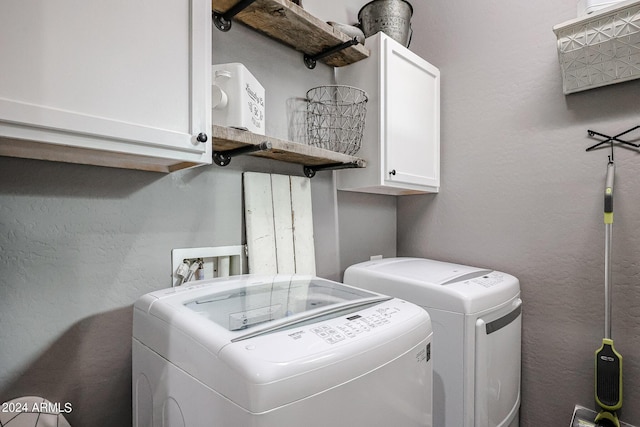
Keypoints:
pixel 334 335
pixel 352 326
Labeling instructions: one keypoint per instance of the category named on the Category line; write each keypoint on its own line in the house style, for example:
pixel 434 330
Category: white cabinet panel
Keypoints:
pixel 412 117
pixel 125 79
pixel 401 142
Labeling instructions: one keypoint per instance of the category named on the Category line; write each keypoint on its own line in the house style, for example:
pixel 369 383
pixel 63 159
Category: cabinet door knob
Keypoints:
pixel 393 172
pixel 202 137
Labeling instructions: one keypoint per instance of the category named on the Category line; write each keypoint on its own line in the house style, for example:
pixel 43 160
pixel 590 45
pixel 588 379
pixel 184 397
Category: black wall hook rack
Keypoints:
pixel 611 140
pixel 223 158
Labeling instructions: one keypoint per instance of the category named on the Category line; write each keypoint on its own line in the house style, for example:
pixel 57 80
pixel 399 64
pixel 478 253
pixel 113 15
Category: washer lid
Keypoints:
pixel 262 307
pixel 218 312
pixel 435 284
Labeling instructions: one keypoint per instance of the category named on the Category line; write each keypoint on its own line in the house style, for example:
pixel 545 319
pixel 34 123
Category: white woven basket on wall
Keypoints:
pixel 600 49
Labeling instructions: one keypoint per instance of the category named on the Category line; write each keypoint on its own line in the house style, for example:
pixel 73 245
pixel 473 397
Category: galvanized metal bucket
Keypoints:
pixel 392 17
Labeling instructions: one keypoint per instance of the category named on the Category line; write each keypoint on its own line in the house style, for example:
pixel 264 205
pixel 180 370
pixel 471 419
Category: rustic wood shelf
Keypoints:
pixel 225 139
pixel 284 21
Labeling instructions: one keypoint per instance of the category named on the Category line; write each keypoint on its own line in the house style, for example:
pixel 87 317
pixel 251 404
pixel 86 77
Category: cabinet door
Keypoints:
pixel 411 119
pixel 116 76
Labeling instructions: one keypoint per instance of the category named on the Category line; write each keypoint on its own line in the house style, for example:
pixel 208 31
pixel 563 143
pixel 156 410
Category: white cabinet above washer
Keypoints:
pixel 112 83
pixel 401 141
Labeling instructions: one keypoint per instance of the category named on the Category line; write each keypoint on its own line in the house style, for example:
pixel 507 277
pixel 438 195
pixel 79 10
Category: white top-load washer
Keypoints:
pixel 476 317
pixel 279 351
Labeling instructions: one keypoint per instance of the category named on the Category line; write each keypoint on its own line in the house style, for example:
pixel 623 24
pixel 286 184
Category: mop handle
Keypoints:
pixel 608 194
pixel 608 224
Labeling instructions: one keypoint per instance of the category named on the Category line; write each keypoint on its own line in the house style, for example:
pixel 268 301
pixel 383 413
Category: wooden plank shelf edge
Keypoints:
pixel 225 138
pixel 286 22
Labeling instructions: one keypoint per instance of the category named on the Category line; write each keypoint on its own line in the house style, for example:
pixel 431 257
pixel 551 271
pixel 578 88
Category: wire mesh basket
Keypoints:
pixel 335 117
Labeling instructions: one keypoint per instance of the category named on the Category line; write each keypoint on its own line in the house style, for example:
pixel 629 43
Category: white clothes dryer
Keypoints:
pixel 476 317
pixel 283 351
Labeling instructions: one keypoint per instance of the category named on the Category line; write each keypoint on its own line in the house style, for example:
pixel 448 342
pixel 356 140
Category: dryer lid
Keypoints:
pixel 432 272
pixel 435 284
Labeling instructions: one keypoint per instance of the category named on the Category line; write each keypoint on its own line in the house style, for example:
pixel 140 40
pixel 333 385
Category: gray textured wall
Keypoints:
pixel 364 231
pixel 79 244
pixel 520 194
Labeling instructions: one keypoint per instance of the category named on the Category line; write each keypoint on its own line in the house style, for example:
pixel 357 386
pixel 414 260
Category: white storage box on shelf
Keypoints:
pixel 237 98
pixel 401 141
pixel 600 49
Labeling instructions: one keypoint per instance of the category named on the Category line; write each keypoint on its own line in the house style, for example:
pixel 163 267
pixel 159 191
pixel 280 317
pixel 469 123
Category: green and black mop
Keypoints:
pixel 608 362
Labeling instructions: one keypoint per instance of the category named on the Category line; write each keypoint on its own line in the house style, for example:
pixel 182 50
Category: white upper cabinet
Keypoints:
pixel 108 82
pixel 401 141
